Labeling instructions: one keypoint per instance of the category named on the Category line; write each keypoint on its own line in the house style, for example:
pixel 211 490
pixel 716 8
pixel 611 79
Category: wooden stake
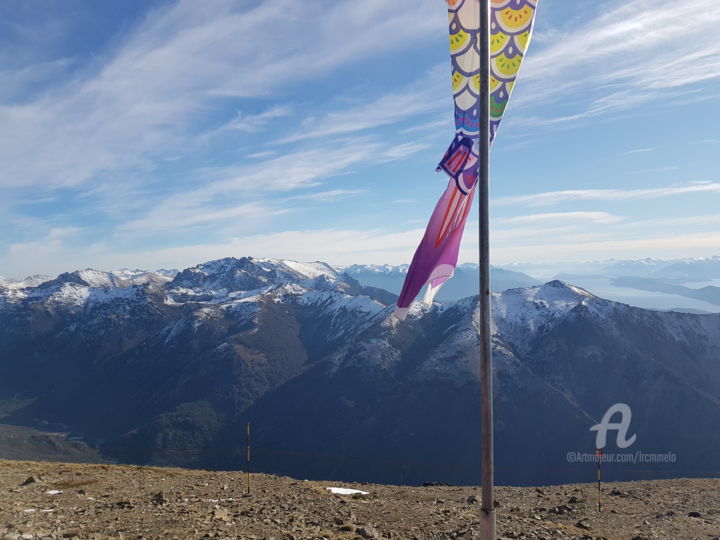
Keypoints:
pixel 598 458
pixel 247 454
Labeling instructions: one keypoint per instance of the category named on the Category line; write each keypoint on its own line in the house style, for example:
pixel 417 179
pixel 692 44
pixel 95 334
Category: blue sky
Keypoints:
pixel 166 133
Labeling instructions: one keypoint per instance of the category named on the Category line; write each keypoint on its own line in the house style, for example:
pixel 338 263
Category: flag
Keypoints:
pixel 510 27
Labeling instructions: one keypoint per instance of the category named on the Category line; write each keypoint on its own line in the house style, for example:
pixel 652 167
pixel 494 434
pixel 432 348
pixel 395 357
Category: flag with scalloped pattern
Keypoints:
pixel 511 24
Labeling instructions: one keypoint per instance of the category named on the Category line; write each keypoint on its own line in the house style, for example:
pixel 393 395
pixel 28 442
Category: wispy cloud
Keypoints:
pixel 336 246
pixel 249 123
pixel 329 195
pixel 175 66
pixel 559 218
pixel 555 197
pixel 633 53
pixel 636 151
pixel 226 190
pixel 176 216
pixel 420 97
pixel 665 245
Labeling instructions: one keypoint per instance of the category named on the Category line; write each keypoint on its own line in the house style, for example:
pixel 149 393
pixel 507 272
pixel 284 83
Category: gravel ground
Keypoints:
pixel 61 500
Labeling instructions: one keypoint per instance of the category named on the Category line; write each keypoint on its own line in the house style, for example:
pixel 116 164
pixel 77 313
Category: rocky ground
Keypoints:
pixel 60 500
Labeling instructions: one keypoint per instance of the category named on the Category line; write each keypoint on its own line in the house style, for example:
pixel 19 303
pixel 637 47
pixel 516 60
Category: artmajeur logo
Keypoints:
pixel 622 427
pixel 617 418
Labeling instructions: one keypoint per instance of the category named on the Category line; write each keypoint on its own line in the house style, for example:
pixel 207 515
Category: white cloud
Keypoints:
pixel 663 246
pixel 539 238
pixel 634 52
pixel 175 66
pixel 636 151
pixel 249 123
pixel 418 98
pixel 176 216
pixel 330 245
pixel 559 218
pixel 329 195
pixel 556 197
pixel 259 191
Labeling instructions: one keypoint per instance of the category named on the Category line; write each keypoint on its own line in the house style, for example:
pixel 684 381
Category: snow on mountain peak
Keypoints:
pixel 247 273
pixel 558 293
pixel 310 270
pixel 519 311
pixel 29 281
pixel 98 279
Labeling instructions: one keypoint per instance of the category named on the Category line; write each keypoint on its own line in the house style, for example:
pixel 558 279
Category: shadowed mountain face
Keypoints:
pixel 169 372
pixel 465 282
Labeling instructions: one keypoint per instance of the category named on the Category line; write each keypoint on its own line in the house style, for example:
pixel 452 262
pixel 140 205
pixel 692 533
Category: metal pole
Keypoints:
pixel 487 518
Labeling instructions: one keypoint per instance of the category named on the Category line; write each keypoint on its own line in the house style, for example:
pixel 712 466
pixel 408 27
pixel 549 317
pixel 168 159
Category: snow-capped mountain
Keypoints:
pixel 30 281
pixel 167 372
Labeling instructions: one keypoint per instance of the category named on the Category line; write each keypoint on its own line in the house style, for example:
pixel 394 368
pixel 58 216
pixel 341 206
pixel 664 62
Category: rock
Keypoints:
pixel 582 524
pixel 29 480
pixel 560 510
pixel 221 514
pixel 367 532
pixel 158 499
pixel 694 514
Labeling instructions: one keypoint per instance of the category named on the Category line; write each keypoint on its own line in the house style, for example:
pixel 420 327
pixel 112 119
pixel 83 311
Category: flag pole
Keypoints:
pixel 487 518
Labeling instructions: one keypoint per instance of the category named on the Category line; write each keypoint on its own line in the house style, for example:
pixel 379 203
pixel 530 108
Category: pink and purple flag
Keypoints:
pixel 510 27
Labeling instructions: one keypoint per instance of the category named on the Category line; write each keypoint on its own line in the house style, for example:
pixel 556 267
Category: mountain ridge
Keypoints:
pixel 163 372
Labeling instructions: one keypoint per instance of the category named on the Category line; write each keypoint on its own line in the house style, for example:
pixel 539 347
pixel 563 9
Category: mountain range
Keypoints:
pixel 145 368
pixel 465 281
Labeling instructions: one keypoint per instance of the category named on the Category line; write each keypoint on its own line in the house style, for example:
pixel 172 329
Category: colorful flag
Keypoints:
pixel 510 27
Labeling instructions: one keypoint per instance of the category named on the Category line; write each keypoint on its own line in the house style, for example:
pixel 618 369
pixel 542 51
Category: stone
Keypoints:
pixel 582 524
pixel 158 499
pixel 221 514
pixel 367 532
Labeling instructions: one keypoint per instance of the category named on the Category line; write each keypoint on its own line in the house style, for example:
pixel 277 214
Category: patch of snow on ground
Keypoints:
pixel 346 491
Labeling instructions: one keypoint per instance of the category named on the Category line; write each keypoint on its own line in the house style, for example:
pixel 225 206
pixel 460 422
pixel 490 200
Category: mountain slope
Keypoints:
pixel 168 372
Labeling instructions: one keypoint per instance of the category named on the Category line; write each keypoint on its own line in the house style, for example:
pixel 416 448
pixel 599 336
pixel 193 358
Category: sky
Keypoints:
pixel 161 134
